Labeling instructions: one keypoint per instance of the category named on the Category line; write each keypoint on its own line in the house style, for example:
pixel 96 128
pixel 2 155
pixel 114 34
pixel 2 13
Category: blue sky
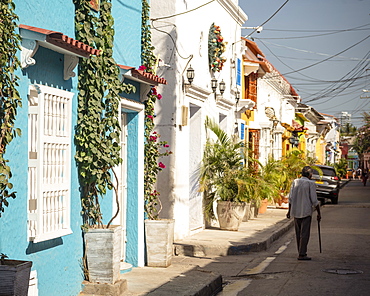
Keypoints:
pixel 304 33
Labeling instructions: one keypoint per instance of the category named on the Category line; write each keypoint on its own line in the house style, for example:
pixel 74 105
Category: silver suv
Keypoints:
pixel 327 182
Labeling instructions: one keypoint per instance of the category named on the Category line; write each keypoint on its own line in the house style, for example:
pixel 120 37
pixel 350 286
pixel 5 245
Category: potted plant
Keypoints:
pixel 97 141
pixel 159 233
pixel 222 178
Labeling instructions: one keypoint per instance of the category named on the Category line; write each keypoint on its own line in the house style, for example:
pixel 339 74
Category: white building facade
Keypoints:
pixel 180 35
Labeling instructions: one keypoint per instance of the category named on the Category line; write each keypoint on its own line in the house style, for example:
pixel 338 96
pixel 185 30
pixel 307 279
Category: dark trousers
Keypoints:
pixel 302 232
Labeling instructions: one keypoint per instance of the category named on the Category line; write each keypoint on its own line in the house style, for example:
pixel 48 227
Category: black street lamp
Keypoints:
pixel 190 74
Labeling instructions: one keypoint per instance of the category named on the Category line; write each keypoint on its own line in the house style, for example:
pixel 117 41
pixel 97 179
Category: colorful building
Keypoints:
pixel 43 224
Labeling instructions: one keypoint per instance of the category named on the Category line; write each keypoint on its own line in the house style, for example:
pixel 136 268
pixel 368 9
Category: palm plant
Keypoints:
pixel 222 159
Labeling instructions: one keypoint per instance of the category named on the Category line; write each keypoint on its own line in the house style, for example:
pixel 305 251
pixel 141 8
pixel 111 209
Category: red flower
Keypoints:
pixel 159 96
pixel 142 68
pixel 161 165
pixel 150 116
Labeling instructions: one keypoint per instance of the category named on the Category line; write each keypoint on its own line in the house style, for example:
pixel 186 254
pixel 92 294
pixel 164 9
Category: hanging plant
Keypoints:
pixel 154 148
pixel 98 129
pixel 216 47
pixel 9 96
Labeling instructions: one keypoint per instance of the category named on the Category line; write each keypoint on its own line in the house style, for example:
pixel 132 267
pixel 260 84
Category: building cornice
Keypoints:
pixel 234 10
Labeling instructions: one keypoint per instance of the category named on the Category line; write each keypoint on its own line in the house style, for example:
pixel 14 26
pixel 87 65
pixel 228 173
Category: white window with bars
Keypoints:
pixel 49 158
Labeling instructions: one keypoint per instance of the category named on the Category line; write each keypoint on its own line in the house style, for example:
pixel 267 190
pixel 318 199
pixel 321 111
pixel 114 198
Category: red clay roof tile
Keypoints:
pixel 144 76
pixel 63 41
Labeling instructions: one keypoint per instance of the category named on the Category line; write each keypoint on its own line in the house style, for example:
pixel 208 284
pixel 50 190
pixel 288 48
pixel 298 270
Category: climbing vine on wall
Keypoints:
pixel 154 148
pixel 9 96
pixel 98 128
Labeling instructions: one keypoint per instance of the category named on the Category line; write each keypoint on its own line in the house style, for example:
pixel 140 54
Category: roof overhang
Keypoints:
pixel 141 76
pixel 254 65
pixel 33 37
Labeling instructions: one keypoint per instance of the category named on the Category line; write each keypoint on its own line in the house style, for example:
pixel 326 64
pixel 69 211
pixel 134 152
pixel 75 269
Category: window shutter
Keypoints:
pixel 49 157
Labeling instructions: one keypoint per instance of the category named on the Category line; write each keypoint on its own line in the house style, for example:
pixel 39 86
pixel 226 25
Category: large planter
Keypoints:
pixel 103 252
pixel 263 206
pixel 253 210
pixel 15 277
pixel 247 214
pixel 159 242
pixel 230 214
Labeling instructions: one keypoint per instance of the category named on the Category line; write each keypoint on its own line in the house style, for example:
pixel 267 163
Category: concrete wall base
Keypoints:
pixel 116 289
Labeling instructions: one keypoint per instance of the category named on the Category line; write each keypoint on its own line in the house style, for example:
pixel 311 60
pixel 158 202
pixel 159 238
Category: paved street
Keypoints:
pixel 343 267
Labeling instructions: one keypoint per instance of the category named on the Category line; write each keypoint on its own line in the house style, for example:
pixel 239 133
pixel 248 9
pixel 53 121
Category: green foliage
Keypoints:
pixel 98 128
pixel 2 258
pixel 221 172
pixel 154 148
pixel 348 130
pixel 148 58
pixel 362 141
pixel 9 96
pixel 341 167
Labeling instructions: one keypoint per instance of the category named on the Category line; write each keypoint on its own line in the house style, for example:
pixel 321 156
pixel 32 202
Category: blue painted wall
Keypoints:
pixel 58 261
pixel 127 25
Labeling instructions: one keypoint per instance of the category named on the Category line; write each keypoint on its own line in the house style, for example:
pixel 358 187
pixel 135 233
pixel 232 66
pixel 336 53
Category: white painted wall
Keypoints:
pixel 189 46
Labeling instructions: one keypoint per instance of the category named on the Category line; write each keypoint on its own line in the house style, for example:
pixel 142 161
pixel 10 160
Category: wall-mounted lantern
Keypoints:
pixel 190 74
pixel 190 77
pixel 221 86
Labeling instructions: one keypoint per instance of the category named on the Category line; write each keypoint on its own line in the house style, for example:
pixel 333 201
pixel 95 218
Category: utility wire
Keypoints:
pixel 310 31
pixel 312 65
pixel 316 35
pixel 308 51
pixel 270 17
pixel 181 13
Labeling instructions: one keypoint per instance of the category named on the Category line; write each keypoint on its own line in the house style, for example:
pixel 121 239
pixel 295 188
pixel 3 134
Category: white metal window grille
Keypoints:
pixel 49 157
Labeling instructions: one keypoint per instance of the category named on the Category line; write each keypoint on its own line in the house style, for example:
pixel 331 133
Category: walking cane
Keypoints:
pixel 318 225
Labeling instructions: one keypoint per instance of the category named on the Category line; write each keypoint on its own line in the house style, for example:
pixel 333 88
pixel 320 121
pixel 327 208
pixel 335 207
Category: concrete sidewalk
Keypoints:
pixel 193 271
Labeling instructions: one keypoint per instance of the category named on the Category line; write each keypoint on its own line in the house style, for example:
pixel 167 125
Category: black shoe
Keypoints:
pixel 304 258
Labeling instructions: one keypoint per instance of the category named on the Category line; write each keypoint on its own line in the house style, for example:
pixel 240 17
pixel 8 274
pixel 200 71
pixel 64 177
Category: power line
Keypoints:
pixel 312 65
pixel 270 17
pixel 181 13
pixel 316 35
pixel 312 52
pixel 310 31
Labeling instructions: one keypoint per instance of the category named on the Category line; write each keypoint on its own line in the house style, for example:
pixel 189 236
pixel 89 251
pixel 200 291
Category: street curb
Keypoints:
pixel 206 249
pixel 192 283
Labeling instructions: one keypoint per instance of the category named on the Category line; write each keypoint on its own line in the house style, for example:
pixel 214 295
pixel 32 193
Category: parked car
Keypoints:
pixel 327 183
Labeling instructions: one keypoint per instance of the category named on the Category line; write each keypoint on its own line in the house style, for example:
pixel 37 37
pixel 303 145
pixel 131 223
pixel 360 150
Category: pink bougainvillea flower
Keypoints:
pixel 159 96
pixel 154 91
pixel 142 68
pixel 153 138
pixel 150 116
pixel 166 145
pixel 161 165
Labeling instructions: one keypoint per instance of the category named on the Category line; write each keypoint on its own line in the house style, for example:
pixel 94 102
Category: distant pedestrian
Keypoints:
pixel 359 173
pixel 365 175
pixel 302 201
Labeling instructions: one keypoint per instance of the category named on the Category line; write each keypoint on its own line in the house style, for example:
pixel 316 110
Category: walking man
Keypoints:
pixel 302 201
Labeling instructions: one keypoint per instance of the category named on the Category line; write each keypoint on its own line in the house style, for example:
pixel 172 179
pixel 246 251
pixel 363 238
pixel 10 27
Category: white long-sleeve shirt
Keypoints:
pixel 302 197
